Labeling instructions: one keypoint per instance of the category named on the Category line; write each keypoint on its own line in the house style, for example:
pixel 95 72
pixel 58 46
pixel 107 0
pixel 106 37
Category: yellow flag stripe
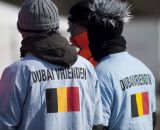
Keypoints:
pixel 62 99
pixel 139 103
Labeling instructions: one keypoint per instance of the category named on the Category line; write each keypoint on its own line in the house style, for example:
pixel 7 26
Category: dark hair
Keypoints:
pixel 79 12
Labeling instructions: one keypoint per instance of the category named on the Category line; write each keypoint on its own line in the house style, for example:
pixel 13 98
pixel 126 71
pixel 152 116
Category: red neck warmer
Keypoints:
pixel 81 41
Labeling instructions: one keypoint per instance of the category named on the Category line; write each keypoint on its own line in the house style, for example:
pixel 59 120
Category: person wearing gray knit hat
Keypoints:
pixel 39 19
pixel 50 87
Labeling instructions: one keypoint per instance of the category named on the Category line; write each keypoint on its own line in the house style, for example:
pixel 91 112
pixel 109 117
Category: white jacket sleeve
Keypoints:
pixel 12 96
pixel 98 116
pixel 107 95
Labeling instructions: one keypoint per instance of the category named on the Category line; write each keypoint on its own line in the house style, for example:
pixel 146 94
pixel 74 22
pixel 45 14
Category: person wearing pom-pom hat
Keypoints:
pixel 127 85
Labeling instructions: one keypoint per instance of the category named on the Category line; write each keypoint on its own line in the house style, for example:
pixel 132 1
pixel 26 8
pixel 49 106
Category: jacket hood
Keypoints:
pixel 54 49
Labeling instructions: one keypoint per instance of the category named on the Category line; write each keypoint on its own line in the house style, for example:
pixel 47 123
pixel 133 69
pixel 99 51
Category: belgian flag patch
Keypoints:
pixel 139 104
pixel 64 99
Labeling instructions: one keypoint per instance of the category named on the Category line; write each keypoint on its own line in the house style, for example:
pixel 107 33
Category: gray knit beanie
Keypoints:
pixel 38 16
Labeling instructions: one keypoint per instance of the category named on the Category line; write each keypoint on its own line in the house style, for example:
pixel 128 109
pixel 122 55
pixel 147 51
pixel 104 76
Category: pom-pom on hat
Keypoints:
pixel 106 19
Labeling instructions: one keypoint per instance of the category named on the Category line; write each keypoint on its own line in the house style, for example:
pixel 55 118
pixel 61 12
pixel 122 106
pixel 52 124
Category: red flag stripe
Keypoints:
pixel 145 102
pixel 73 103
